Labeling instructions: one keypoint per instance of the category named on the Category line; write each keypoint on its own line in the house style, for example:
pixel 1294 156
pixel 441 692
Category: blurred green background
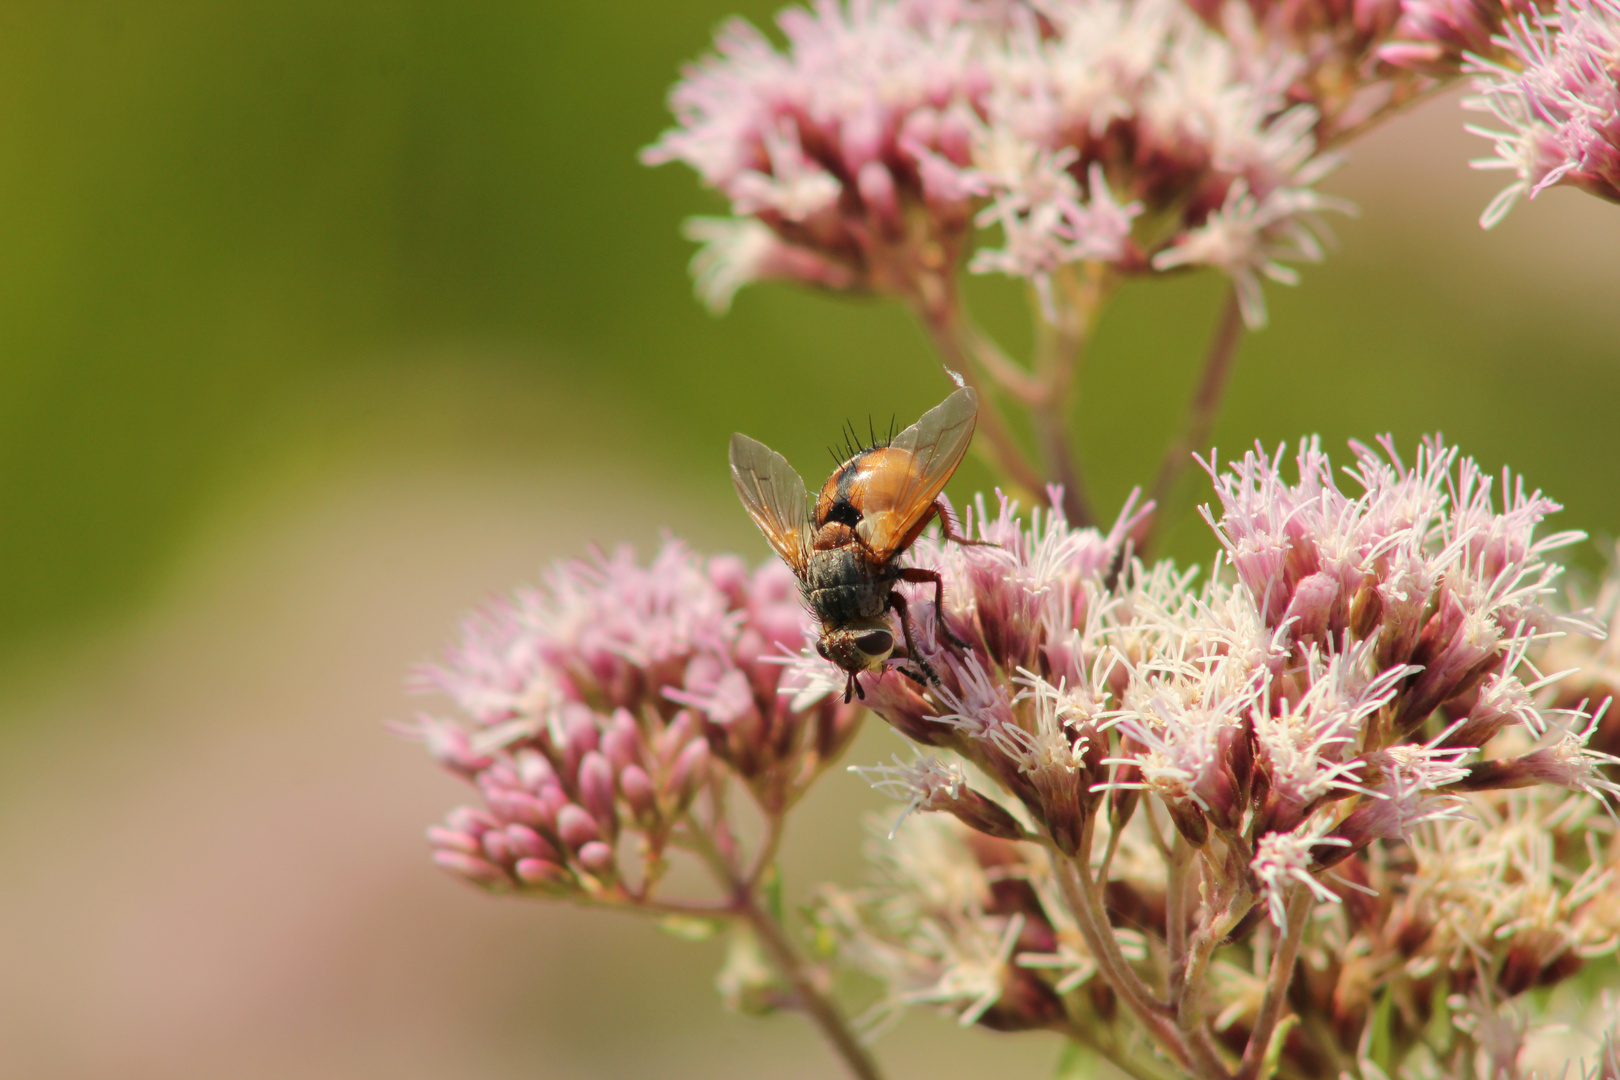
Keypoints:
pixel 320 321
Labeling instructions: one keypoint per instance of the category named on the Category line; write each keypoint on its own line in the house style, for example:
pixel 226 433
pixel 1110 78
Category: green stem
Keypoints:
pixel 1282 972
pixel 773 938
pixel 1111 963
pixel 1200 419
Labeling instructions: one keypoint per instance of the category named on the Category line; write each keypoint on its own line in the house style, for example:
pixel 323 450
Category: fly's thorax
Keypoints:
pixel 842 587
pixel 870 477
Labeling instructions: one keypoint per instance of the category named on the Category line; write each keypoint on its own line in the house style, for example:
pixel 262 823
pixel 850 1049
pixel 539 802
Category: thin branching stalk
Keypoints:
pixel 950 337
pixel 1220 913
pixel 1105 951
pixel 811 995
pixel 1200 420
pixel 1175 913
pixel 1282 972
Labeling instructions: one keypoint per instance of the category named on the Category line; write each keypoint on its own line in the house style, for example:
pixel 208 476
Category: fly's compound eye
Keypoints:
pixel 821 647
pixel 876 643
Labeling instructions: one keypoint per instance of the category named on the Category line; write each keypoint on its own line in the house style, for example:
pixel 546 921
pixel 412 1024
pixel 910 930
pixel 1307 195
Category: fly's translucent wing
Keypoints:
pixel 774 496
pixel 936 444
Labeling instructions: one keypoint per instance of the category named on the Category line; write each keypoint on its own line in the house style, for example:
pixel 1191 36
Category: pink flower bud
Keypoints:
pixel 1366 610
pixel 520 806
pixel 688 773
pixel 877 192
pixel 580 738
pixel 1189 821
pixel 498 847
pixel 977 812
pixel 921 128
pixel 622 741
pixel 956 137
pixel 638 792
pixel 861 139
pixel 528 844
pixel 544 874
pixel 596 790
pixel 472 868
pixel 668 744
pixel 597 857
pixel 454 840
pixel 576 827
pixel 470 819
pixel 729 574
pixel 1314 607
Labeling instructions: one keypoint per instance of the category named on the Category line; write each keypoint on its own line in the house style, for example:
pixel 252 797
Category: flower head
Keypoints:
pixel 1557 90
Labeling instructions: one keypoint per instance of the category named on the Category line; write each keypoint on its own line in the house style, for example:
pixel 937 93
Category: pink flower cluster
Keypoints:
pixel 1557 89
pixel 606 702
pixel 1342 690
pixel 1125 132
pixel 833 154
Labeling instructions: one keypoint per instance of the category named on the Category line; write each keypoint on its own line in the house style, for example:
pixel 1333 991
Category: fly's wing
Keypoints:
pixel 895 510
pixel 774 496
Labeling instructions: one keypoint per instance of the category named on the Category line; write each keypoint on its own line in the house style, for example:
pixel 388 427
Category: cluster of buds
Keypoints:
pixel 605 704
pixel 1119 132
pixel 1347 707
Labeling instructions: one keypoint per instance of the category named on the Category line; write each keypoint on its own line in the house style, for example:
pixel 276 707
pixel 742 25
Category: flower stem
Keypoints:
pixel 1111 963
pixel 822 1009
pixel 773 938
pixel 1282 972
pixel 951 337
pixel 1201 412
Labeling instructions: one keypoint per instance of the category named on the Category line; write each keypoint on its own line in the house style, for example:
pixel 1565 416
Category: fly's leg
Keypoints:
pixel 951 529
pixel 918 576
pixel 898 603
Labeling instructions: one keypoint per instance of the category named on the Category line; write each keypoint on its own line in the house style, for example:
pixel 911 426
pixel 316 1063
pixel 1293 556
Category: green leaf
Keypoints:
pixel 770 890
pixel 1075 1063
pixel 1279 1036
pixel 689 927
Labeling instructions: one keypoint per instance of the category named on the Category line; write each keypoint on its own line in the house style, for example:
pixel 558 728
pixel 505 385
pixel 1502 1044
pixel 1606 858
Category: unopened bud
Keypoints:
pixel 1313 606
pixel 597 857
pixel 499 848
pixel 876 186
pixel 520 806
pixel 470 819
pixel 956 137
pixel 454 840
pixel 668 744
pixel 977 812
pixel 622 741
pixel 921 128
pixel 638 792
pixel 472 868
pixel 1122 800
pixel 1533 959
pixel 576 827
pixel 1366 610
pixel 1189 821
pixel 596 791
pixel 688 773
pixel 528 844
pixel 580 738
pixel 544 874
pixel 1562 765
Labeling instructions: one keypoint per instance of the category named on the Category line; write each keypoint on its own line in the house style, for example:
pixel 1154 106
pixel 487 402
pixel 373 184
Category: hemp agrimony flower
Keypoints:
pixel 1332 806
